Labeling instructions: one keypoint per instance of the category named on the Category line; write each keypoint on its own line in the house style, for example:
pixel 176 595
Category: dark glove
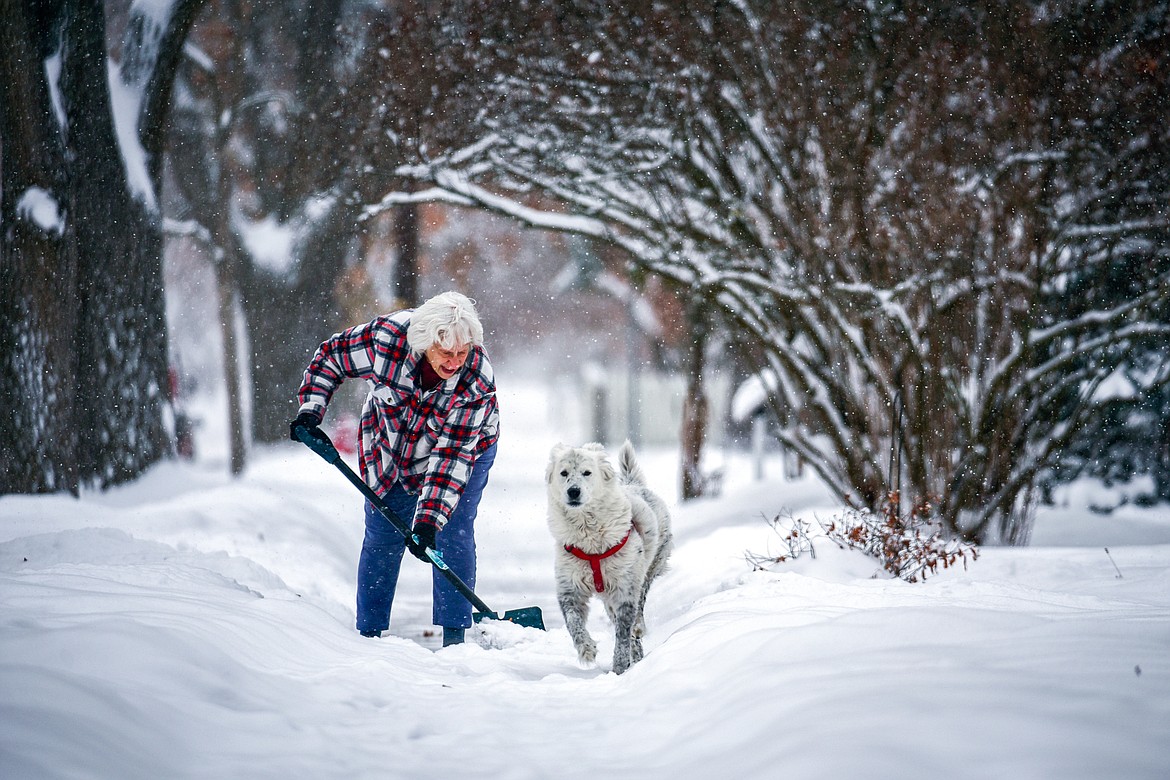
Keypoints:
pixel 309 422
pixel 426 538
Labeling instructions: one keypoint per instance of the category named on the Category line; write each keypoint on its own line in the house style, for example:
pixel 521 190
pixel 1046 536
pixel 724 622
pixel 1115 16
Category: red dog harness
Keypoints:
pixel 595 559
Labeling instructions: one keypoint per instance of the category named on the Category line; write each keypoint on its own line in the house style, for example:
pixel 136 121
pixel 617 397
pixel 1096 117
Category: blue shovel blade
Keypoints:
pixel 529 617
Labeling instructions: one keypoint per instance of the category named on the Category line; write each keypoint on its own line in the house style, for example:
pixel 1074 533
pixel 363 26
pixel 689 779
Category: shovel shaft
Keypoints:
pixel 321 445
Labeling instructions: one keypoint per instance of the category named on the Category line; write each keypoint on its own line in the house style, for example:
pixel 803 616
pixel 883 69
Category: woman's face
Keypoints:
pixel 447 362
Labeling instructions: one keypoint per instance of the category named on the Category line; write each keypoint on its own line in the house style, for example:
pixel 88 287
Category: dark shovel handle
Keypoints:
pixel 319 443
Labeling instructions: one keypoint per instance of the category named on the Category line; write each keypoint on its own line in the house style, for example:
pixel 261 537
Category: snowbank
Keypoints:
pixel 189 626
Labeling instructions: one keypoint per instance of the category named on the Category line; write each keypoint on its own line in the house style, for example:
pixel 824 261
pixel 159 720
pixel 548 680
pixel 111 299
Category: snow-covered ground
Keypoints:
pixel 191 626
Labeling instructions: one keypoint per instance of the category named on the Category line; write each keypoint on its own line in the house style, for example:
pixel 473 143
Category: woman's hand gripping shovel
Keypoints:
pixel 316 440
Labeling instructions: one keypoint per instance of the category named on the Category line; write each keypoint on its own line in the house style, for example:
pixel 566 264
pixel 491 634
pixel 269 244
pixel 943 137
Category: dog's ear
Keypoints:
pixel 607 470
pixel 557 450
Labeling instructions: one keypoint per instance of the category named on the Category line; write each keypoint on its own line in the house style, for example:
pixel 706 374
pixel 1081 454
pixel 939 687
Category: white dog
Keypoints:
pixel 613 538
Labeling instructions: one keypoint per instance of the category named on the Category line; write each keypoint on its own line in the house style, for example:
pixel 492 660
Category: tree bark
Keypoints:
pixel 122 340
pixel 38 273
pixel 85 348
pixel 225 290
pixel 288 319
pixel 694 411
pixel 152 57
pixel 406 264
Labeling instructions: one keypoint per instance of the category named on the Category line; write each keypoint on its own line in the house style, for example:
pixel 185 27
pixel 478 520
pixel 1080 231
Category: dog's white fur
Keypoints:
pixel 591 506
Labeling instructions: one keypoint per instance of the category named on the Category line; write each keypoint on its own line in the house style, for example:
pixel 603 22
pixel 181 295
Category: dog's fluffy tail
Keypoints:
pixel 631 472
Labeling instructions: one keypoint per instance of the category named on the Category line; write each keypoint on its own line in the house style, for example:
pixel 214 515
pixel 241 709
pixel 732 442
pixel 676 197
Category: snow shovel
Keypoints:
pixel 529 617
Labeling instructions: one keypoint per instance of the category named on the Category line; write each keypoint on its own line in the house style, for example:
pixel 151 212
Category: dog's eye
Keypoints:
pixel 586 473
pixel 564 472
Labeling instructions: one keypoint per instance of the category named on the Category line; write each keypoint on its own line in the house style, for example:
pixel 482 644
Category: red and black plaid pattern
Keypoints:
pixel 428 440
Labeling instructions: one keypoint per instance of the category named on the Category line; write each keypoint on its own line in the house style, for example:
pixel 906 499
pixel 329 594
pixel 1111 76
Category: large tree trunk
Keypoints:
pixel 84 338
pixel 289 316
pixel 38 272
pixel 287 323
pixel 122 340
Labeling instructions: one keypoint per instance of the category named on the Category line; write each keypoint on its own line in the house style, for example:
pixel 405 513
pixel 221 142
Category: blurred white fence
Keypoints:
pixel 646 410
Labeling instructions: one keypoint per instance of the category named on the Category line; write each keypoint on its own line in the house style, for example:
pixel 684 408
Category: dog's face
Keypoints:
pixel 575 474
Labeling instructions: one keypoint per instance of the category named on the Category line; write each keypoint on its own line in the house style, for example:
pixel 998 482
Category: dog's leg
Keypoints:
pixel 612 607
pixel 623 628
pixel 640 620
pixel 657 565
pixel 661 554
pixel 576 612
pixel 639 628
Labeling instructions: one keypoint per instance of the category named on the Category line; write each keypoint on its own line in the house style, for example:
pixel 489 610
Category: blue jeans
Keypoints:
pixel 383 546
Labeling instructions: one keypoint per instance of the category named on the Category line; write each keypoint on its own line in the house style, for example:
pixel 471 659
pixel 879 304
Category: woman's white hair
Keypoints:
pixel 449 319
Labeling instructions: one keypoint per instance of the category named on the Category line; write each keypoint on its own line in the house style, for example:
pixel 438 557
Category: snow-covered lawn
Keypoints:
pixel 190 626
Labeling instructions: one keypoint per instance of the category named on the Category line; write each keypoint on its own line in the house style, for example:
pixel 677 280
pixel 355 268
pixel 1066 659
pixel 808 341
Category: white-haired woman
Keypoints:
pixel 427 441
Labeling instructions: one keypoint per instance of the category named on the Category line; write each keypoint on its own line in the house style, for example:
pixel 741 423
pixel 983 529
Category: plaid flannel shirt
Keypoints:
pixel 427 440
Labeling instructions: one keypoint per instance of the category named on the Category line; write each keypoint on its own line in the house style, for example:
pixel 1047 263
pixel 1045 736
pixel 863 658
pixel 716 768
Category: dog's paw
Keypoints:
pixel 587 652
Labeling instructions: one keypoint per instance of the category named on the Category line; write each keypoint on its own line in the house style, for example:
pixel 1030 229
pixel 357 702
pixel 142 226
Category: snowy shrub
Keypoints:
pixel 894 247
pixel 908 544
pixel 794 539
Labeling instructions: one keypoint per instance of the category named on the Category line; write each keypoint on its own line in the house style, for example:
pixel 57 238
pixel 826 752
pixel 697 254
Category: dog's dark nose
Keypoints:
pixel 574 494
